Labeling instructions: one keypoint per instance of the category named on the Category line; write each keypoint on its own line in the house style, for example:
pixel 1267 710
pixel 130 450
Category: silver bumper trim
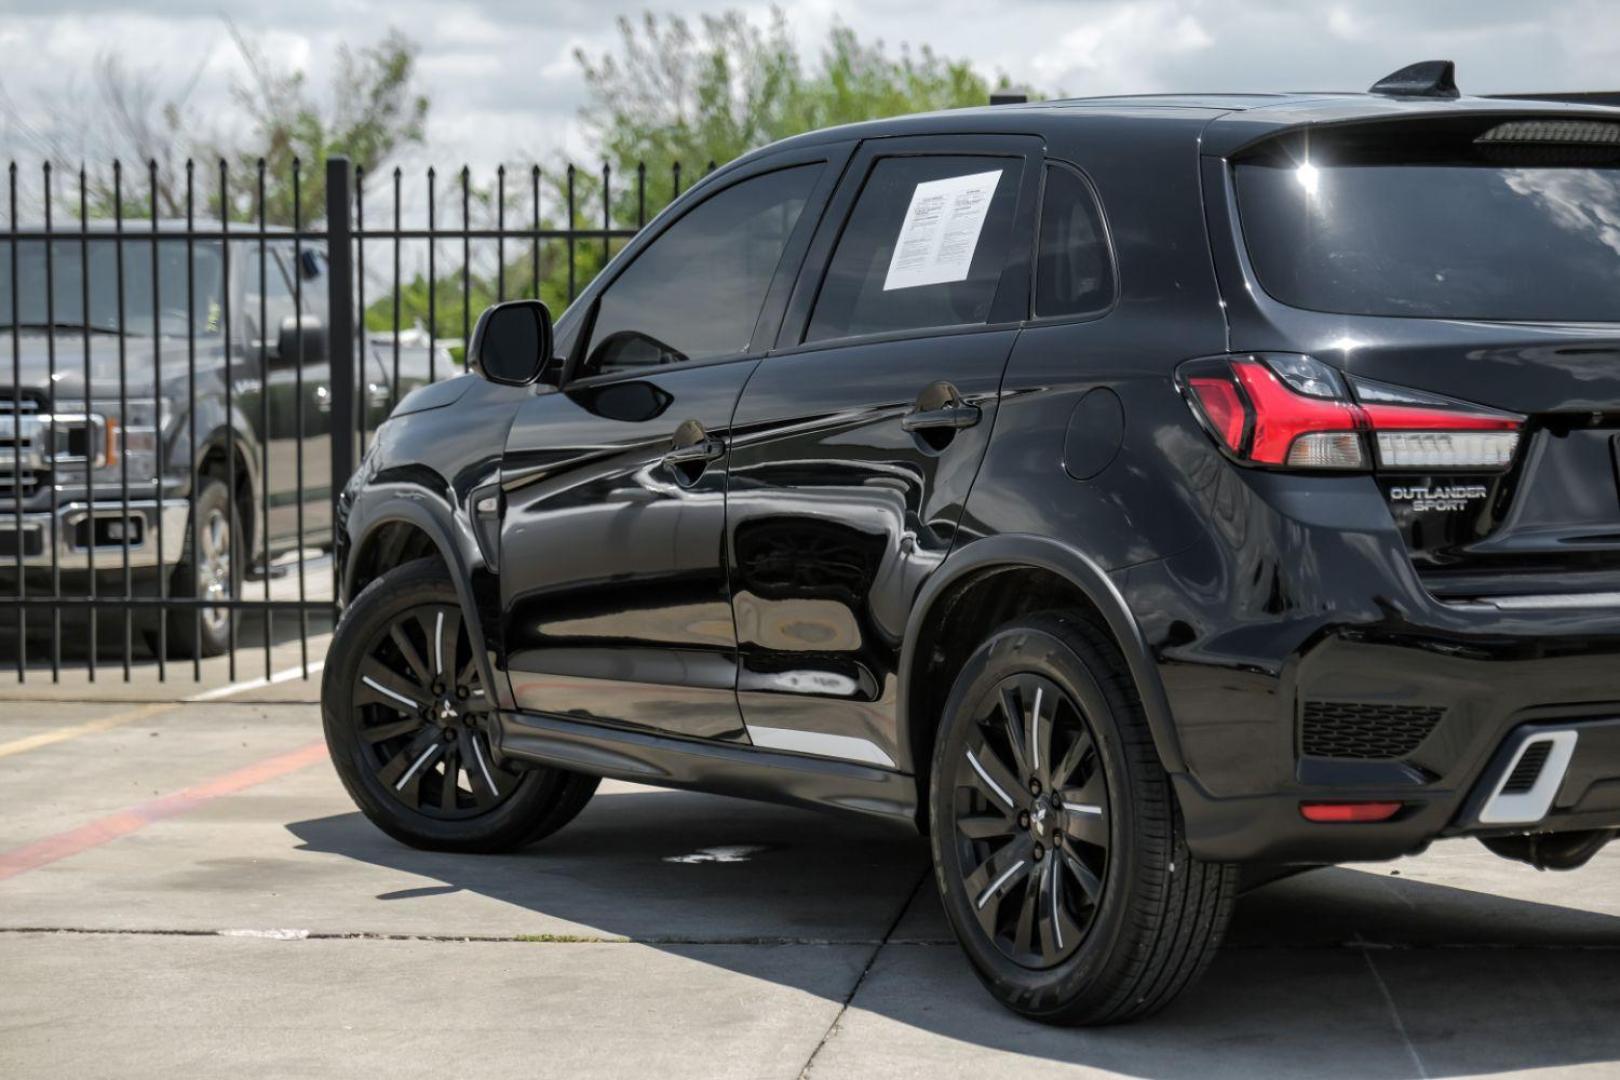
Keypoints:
pixel 36 536
pixel 1530 806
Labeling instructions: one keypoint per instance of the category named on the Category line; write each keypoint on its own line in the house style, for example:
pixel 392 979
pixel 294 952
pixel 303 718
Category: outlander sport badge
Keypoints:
pixel 1445 498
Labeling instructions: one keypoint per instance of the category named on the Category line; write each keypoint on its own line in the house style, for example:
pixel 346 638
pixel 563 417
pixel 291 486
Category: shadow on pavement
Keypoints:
pixel 1338 973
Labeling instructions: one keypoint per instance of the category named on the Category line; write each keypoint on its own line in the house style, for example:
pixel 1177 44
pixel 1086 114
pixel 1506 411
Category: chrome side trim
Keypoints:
pixel 1547 602
pixel 1531 806
pixel 844 747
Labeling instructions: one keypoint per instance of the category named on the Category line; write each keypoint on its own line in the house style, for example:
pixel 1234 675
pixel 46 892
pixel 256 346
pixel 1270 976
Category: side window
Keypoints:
pixel 1074 274
pixel 696 291
pixel 278 296
pixel 924 246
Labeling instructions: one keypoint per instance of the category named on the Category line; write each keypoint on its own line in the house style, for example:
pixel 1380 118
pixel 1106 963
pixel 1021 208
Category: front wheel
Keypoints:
pixel 1058 845
pixel 408 723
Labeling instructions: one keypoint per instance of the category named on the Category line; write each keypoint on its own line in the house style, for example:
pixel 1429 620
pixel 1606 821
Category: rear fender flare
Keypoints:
pixel 1024 550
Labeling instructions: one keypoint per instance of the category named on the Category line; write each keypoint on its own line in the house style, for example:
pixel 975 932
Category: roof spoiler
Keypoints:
pixel 1426 78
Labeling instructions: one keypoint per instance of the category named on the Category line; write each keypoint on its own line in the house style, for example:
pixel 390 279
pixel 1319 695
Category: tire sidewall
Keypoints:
pixel 1036 991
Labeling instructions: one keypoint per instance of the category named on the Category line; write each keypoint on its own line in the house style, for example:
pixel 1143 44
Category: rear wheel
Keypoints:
pixel 408 722
pixel 1058 845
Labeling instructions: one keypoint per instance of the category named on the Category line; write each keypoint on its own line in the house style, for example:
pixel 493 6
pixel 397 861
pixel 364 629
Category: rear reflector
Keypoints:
pixel 1447 449
pixel 1343 812
pixel 1293 411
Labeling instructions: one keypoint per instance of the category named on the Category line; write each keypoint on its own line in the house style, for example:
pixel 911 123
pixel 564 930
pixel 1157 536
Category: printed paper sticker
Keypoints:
pixel 941 231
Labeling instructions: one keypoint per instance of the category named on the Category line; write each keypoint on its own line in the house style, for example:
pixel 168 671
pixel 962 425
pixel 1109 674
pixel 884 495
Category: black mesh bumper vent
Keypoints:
pixel 1528 770
pixel 1344 729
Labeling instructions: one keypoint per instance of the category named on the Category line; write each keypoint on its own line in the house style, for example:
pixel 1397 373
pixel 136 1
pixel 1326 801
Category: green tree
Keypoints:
pixel 676 98
pixel 371 110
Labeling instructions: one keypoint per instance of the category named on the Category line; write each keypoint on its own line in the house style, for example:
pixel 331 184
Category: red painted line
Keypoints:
pixel 62 845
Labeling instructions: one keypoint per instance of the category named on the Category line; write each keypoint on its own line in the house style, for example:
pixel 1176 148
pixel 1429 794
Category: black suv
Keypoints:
pixel 1137 495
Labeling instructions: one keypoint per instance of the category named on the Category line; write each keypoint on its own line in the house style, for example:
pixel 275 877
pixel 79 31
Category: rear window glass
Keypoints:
pixel 1436 228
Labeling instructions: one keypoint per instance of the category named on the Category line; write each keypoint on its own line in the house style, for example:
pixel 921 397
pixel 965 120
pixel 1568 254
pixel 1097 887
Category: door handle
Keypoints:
pixel 952 417
pixel 709 449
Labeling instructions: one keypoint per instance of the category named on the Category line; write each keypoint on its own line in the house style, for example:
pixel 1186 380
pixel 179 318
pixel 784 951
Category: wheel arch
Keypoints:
pixel 389 527
pixel 1013 575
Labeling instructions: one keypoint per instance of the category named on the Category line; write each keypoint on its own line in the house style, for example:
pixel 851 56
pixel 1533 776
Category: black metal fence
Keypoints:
pixel 190 383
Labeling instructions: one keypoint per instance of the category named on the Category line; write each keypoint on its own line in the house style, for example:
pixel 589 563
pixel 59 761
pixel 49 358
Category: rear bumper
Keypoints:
pixel 1585 794
pixel 68 546
pixel 1303 661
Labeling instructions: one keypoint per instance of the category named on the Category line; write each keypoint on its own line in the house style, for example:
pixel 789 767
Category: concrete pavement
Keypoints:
pixel 182 894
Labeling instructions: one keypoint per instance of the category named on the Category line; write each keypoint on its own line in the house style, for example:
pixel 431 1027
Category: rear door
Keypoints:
pixel 615 601
pixel 857 440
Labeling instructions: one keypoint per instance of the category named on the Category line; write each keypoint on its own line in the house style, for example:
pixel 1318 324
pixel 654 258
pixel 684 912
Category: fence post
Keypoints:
pixel 341 332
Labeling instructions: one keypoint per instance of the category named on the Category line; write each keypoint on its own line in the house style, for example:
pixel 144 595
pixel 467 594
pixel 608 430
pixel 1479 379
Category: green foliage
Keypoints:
pixel 677 99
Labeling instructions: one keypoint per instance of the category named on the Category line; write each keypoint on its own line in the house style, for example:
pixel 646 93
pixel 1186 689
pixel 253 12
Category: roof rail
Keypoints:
pixel 1426 78
pixel 1568 97
pixel 1009 95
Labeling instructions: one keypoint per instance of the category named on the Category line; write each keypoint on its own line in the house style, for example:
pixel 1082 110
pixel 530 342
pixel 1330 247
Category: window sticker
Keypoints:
pixel 941 231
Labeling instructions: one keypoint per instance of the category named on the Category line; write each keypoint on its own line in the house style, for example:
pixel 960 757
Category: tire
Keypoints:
pixel 396 770
pixel 217 528
pixel 1109 917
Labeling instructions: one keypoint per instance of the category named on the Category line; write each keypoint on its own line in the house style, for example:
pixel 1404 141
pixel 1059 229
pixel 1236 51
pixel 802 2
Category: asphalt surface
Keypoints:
pixel 185 890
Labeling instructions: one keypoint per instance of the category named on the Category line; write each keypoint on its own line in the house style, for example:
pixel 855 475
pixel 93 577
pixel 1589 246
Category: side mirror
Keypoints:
pixel 314 340
pixel 512 343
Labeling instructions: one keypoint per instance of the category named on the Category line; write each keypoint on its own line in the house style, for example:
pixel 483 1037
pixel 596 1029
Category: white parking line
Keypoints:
pixel 255 684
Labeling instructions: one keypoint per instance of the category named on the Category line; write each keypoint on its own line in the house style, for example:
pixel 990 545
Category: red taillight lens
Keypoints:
pixel 1292 411
pixel 1348 812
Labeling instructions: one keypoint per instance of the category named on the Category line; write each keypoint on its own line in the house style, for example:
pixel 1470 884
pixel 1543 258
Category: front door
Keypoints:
pixel 858 438
pixel 615 600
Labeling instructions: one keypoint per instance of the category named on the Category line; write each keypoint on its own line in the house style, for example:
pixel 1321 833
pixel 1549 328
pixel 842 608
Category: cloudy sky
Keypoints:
pixel 504 85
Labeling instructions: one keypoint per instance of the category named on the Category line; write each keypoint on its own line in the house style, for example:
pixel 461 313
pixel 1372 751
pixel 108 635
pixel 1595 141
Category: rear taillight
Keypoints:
pixel 1295 412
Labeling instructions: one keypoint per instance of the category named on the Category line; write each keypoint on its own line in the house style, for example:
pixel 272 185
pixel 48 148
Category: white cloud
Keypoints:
pixel 504 84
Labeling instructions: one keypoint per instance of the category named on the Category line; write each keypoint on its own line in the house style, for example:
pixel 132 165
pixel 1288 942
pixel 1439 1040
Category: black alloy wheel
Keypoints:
pixel 1032 821
pixel 1059 850
pixel 413 727
pixel 422 712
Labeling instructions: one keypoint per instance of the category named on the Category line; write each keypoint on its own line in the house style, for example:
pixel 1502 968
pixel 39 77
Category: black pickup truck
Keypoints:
pixel 214 353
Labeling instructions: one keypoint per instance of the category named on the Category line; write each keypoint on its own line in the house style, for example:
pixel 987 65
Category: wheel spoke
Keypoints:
pixel 451 783
pixel 1063 771
pixel 986 826
pixel 995 877
pixel 405 768
pixel 384 732
pixel 1040 732
pixel 381 686
pixel 1012 717
pixel 407 649
pixel 485 788
pixel 1090 883
pixel 990 775
pixel 1058 930
pixel 1028 912
pixel 448 624
pixel 468 677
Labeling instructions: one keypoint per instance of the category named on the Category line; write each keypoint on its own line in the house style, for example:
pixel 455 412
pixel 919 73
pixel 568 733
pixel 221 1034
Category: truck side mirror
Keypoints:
pixel 313 340
pixel 512 343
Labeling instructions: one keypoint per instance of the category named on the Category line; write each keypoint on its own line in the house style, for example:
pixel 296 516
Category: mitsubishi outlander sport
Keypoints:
pixel 1136 495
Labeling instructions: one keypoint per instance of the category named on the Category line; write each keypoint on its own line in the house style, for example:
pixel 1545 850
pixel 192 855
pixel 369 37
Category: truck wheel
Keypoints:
pixel 1058 844
pixel 213 572
pixel 407 722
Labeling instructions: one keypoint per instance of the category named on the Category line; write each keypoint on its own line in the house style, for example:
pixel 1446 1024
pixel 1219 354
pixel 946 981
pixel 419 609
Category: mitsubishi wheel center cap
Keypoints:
pixel 1038 820
pixel 447 711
